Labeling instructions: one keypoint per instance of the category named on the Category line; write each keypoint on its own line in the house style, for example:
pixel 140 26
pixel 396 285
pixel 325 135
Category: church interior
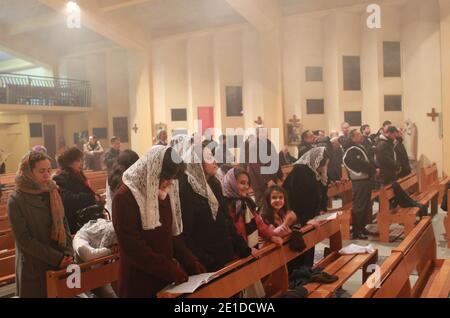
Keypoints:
pixel 327 75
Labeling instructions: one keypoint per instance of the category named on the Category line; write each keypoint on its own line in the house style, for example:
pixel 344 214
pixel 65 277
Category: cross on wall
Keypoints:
pixel 433 114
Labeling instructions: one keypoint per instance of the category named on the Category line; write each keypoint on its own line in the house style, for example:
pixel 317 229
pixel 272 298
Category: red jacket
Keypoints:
pixel 265 231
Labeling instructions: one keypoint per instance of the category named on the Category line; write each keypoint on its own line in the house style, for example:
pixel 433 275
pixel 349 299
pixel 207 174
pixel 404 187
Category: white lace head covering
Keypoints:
pixel 142 178
pixel 313 159
pixel 197 179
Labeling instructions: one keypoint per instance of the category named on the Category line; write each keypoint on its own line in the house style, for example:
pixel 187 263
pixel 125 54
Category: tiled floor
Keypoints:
pixel 384 250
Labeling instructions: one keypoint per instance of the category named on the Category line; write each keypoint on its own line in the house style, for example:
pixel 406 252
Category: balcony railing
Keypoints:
pixel 43 91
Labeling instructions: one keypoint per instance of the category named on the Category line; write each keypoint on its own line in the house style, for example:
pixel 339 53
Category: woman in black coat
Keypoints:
pixel 75 190
pixel 207 229
pixel 307 188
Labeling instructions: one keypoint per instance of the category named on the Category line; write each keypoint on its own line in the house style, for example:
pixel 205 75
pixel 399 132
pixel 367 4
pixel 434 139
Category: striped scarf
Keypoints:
pixel 244 207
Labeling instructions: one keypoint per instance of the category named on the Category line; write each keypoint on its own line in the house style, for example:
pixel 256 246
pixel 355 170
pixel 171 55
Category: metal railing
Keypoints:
pixel 44 91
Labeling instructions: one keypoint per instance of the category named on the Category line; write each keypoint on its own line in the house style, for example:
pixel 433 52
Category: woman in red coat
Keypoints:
pixel 147 221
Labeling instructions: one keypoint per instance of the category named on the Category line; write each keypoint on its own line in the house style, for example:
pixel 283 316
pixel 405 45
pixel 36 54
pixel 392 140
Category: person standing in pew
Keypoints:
pixel 402 155
pixel 275 211
pixel 242 210
pixel 360 171
pixel 308 143
pixel 148 224
pixel 36 215
pixel 247 221
pixel 112 153
pixel 93 150
pixel 368 143
pixel 76 191
pixel 125 160
pixel 386 158
pixel 306 186
pixel 208 230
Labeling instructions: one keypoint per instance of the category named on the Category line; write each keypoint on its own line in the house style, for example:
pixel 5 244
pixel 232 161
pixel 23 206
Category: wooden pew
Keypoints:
pixel 6 240
pixel 241 274
pixel 7 267
pixel 405 216
pixel 94 274
pixel 447 221
pixel 344 191
pixel 416 252
pixel 429 180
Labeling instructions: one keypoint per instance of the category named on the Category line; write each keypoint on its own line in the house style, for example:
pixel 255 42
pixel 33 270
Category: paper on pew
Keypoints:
pixel 191 285
pixel 326 217
pixel 357 249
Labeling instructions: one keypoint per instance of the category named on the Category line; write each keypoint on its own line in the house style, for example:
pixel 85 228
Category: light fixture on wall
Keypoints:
pixel 73 12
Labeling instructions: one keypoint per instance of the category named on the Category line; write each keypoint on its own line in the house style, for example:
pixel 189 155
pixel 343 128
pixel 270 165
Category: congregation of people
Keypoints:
pixel 187 206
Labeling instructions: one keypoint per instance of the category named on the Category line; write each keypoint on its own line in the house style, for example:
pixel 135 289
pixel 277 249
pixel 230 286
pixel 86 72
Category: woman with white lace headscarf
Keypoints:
pixel 307 189
pixel 207 228
pixel 148 224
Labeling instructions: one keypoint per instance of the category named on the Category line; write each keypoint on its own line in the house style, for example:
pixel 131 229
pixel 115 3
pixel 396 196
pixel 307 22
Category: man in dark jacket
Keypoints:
pixel 368 143
pixel 402 156
pixel 308 141
pixel 112 153
pixel 360 171
pixel 92 152
pixel 335 165
pixel 386 158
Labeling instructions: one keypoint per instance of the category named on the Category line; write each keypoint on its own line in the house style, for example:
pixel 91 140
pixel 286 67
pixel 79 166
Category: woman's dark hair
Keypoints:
pixel 125 160
pixel 266 210
pixel 68 157
pixel 173 167
pixel 35 156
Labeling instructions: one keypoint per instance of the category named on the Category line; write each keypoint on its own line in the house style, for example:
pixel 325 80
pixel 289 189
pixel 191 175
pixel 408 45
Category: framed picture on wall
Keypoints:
pixel 294 131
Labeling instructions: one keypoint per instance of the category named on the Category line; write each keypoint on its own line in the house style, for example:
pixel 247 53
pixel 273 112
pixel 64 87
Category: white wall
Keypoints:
pixel 422 74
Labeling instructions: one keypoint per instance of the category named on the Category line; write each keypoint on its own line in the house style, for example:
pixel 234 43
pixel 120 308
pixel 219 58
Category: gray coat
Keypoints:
pixel 36 252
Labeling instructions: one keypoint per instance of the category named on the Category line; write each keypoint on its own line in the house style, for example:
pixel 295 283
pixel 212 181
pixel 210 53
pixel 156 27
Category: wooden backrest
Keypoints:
pixel 409 183
pixel 428 176
pixel 6 240
pixel 94 274
pixel 416 252
pixel 342 189
pixel 3 213
pixel 7 264
pixel 242 273
pixel 392 279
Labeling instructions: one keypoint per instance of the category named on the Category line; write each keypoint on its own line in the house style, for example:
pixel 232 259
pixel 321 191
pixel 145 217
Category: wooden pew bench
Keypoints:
pixel 239 275
pixel 416 253
pixel 447 221
pixel 430 181
pixel 94 274
pixel 6 240
pixel 7 267
pixel 405 216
